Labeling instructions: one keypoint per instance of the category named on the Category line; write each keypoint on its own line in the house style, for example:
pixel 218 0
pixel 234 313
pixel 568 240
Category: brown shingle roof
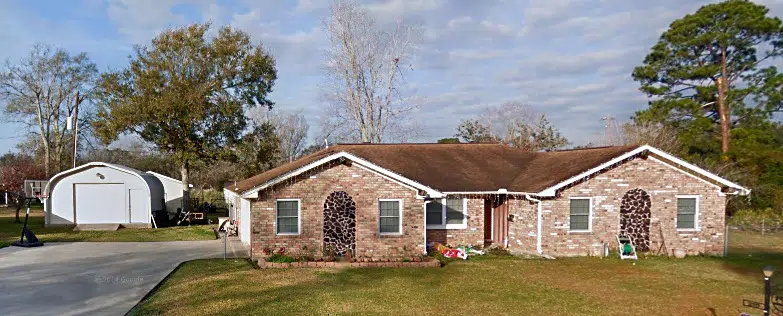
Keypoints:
pixel 462 167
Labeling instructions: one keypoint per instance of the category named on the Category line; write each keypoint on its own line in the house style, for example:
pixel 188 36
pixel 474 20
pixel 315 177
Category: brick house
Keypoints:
pixel 389 201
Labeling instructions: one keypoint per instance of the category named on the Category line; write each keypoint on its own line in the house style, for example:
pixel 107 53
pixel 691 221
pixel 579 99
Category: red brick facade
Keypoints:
pixel 661 181
pixel 312 189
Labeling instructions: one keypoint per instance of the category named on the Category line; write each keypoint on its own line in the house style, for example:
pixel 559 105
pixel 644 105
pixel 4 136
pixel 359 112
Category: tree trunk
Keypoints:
pixel 18 207
pixel 723 108
pixel 184 169
pixel 723 112
pixel 19 200
pixel 47 156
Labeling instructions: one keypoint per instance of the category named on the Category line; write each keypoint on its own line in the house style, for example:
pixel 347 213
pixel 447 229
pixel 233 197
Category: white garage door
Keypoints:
pixel 100 203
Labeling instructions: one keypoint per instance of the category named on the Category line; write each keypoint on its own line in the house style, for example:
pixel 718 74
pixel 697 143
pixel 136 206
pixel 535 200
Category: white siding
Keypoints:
pixel 244 223
pixel 62 203
pixel 172 192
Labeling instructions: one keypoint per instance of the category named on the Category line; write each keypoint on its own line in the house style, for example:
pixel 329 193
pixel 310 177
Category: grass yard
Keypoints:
pixel 10 231
pixel 487 285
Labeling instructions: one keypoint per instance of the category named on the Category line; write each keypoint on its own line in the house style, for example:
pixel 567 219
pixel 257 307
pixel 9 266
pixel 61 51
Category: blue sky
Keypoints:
pixel 570 59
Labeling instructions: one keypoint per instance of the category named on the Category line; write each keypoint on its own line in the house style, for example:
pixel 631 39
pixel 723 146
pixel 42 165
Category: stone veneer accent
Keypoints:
pixel 662 182
pixel 365 188
pixel 472 235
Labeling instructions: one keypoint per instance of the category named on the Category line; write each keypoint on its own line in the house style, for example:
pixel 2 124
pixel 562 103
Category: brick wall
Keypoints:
pixel 662 183
pixel 365 187
pixel 472 235
pixel 522 230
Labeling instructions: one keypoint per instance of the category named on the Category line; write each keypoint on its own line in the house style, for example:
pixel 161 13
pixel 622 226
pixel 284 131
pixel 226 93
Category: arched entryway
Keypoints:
pixel 635 218
pixel 340 223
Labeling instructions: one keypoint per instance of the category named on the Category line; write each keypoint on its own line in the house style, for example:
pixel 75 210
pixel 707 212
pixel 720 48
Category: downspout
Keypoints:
pixel 539 219
pixel 425 225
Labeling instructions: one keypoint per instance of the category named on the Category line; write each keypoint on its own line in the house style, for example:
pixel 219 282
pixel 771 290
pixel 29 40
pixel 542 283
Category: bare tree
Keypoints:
pixel 366 66
pixel 40 93
pixel 656 135
pixel 291 129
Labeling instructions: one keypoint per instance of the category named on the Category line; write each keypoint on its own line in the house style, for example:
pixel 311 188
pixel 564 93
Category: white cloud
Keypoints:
pixel 457 22
pixel 139 19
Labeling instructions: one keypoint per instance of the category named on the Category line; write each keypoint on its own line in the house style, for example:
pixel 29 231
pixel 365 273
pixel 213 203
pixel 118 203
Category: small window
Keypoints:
pixel 580 214
pixel 390 216
pixel 287 217
pixel 686 212
pixel 447 214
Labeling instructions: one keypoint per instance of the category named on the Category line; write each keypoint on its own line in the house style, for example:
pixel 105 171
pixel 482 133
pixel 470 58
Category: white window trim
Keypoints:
pixel 589 215
pixel 696 226
pixel 298 217
pixel 379 217
pixel 464 224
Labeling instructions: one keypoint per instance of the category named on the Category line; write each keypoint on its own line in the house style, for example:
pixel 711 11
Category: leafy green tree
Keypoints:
pixel 448 140
pixel 705 68
pixel 186 93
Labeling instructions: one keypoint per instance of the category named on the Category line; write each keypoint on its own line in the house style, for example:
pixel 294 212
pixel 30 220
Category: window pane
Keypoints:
pixel 454 212
pixel 686 206
pixel 287 208
pixel 434 213
pixel 580 222
pixel 389 208
pixel 287 225
pixel 686 221
pixel 390 225
pixel 580 206
pixel 453 205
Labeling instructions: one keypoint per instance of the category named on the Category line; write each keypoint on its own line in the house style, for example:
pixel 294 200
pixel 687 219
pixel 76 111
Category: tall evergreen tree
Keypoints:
pixel 706 69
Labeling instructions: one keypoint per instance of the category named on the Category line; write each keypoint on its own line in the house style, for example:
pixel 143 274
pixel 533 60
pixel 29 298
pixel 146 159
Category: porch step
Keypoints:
pixel 82 227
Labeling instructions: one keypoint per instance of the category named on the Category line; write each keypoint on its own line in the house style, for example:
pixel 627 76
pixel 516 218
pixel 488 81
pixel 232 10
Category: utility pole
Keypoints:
pixel 76 127
pixel 611 129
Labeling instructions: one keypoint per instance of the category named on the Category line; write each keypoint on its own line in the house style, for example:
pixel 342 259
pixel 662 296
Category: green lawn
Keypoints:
pixel 498 285
pixel 10 231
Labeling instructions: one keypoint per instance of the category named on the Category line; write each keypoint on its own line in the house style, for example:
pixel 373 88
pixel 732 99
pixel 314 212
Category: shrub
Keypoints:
pixel 497 251
pixel 749 219
pixel 280 258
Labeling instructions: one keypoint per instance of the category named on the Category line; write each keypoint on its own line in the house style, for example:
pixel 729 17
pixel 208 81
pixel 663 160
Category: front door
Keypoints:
pixel 496 221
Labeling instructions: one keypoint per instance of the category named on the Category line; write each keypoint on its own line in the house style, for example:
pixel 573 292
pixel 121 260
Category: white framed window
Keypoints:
pixel 447 213
pixel 287 216
pixel 580 214
pixel 390 216
pixel 687 212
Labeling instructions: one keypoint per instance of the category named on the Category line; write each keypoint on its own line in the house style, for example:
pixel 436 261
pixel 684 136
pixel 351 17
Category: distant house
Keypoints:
pixel 392 200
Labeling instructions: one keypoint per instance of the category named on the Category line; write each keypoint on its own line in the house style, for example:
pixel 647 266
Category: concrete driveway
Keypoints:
pixel 93 278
